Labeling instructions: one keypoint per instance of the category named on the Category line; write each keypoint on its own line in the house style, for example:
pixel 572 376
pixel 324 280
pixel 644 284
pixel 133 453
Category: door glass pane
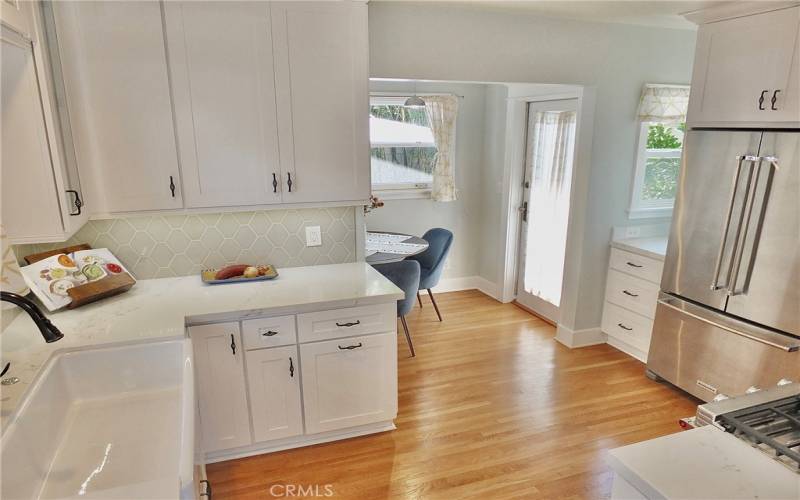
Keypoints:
pixel 549 158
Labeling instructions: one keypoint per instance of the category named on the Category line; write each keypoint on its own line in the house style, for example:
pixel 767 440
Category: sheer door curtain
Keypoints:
pixel 551 143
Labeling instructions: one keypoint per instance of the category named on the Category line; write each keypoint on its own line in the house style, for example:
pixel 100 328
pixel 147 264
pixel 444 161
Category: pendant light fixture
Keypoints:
pixel 415 101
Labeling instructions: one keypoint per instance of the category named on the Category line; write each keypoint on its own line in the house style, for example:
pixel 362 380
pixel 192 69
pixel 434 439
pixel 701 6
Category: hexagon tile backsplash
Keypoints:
pixel 161 246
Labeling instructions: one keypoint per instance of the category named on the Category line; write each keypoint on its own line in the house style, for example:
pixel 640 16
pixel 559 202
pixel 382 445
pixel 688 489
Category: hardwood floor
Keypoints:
pixel 491 407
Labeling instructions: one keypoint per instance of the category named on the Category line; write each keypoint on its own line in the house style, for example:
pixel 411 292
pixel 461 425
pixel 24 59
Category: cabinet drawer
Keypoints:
pixel 268 332
pixel 636 294
pixel 337 323
pixel 636 265
pixel 627 326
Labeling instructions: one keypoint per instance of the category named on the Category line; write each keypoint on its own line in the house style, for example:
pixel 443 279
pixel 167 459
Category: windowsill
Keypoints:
pixel 649 213
pixel 402 194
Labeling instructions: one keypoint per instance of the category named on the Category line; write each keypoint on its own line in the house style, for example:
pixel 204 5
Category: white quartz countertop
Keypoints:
pixel 703 463
pixel 655 247
pixel 161 308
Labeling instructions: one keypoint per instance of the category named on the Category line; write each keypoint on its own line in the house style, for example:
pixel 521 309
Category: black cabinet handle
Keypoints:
pixel 350 347
pixel 291 367
pixel 233 345
pixel 269 333
pixel 630 294
pixel 274 183
pixel 78 203
pixel 761 100
pixel 208 489
pixel 172 186
pixel 624 327
pixel 5 369
pixel 349 324
pixel 633 265
pixel 289 182
pixel 774 100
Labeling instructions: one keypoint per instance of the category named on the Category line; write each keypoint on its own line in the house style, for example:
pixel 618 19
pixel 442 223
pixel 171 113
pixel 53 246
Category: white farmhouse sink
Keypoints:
pixel 110 423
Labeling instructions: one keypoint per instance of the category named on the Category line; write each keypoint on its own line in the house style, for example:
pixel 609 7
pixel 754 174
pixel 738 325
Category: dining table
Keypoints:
pixel 383 247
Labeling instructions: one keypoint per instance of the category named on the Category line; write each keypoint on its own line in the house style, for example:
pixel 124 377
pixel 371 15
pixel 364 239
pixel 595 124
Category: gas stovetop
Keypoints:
pixel 767 419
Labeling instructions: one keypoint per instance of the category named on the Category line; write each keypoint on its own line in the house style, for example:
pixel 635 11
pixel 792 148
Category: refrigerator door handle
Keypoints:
pixel 733 289
pixel 715 284
pixel 752 332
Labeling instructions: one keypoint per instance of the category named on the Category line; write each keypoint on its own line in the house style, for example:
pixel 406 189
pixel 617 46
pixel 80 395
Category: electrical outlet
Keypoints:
pixel 633 231
pixel 313 236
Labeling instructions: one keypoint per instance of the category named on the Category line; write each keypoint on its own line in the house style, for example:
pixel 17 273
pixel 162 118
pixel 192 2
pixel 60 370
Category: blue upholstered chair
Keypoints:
pixel 431 261
pixel 405 274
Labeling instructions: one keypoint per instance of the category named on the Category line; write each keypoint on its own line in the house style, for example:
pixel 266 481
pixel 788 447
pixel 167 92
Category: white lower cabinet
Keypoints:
pixel 221 394
pixel 349 382
pixel 273 377
pixel 277 390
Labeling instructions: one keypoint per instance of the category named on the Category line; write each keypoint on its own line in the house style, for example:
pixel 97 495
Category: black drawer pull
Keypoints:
pixel 274 183
pixel 350 347
pixel 78 203
pixel 349 324
pixel 624 327
pixel 633 265
pixel 172 186
pixel 269 333
pixel 291 367
pixel 233 345
pixel 630 294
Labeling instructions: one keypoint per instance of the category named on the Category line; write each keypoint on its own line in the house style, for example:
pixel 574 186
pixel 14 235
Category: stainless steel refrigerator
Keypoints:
pixel 728 316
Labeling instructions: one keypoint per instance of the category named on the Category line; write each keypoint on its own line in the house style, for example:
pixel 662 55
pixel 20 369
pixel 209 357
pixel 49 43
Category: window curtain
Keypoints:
pixel 550 149
pixel 442 111
pixel 663 103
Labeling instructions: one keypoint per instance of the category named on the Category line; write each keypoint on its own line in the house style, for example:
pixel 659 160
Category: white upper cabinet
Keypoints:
pixel 30 203
pixel 221 64
pixel 746 71
pixel 321 70
pixel 115 76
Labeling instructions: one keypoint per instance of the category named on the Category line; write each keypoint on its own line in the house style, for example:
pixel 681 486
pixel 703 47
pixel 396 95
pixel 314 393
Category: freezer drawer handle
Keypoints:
pixel 781 342
pixel 715 284
pixel 629 294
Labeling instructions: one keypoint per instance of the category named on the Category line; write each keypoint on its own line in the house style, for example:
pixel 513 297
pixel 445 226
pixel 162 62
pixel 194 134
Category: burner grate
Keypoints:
pixel 773 426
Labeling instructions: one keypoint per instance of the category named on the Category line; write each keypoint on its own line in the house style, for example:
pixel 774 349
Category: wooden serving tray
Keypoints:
pixel 209 276
pixel 112 284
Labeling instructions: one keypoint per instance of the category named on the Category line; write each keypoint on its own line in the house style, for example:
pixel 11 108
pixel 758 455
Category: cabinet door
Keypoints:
pixel 222 397
pixel 30 208
pixel 273 376
pixel 738 60
pixel 349 382
pixel 224 91
pixel 115 78
pixel 321 74
pixel 788 101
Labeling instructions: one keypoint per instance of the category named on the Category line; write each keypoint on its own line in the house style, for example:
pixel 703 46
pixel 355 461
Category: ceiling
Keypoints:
pixel 660 13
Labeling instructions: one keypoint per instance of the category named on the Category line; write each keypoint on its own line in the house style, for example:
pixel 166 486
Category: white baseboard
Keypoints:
pixel 580 338
pixel 468 283
pixel 628 349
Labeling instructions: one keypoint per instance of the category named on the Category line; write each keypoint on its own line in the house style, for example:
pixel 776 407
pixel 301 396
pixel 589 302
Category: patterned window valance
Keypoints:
pixel 664 103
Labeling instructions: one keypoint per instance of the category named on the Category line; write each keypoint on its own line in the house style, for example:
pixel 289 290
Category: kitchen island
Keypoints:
pixel 232 328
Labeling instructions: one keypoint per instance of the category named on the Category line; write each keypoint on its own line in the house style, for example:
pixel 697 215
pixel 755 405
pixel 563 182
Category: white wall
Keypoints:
pixel 465 216
pixel 448 42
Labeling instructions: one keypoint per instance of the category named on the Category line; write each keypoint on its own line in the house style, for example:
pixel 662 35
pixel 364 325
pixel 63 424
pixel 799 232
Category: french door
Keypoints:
pixel 549 157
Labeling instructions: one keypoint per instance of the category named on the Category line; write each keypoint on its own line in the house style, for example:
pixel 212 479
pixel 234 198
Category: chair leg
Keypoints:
pixel 419 299
pixel 434 304
pixel 408 335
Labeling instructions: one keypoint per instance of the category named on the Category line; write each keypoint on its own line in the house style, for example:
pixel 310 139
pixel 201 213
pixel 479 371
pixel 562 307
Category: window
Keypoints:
pixel 403 151
pixel 658 163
